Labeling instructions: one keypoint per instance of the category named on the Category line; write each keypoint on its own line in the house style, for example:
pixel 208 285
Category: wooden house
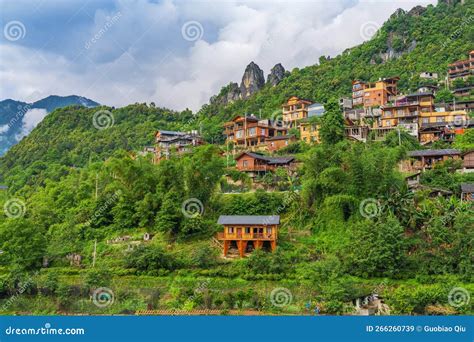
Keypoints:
pixel 467 192
pixel 468 160
pixel 295 110
pixel 427 159
pixel 246 233
pixel 169 142
pixel 258 164
pixel 278 142
pixel 252 132
pixel 461 69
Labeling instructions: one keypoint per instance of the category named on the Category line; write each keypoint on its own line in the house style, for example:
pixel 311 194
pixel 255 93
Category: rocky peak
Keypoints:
pixel 416 11
pixel 399 12
pixel 228 94
pixel 252 80
pixel 276 74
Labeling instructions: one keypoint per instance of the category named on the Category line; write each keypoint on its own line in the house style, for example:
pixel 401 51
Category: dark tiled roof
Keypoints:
pixel 280 137
pixel 249 219
pixel 269 160
pixel 467 187
pixel 172 132
pixel 432 153
pixel 420 94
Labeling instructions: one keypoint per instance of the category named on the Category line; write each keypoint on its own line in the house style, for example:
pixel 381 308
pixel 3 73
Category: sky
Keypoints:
pixel 174 53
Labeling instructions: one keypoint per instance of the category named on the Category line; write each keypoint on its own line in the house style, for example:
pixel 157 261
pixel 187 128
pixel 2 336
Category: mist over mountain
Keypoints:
pixel 18 118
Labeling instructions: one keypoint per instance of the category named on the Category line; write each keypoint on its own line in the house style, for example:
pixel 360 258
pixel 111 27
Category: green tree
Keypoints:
pixel 332 124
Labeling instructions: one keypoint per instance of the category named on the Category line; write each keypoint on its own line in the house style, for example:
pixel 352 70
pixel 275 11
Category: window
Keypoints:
pixel 252 131
pixel 272 144
pixel 247 230
pixel 245 163
pixel 263 131
pixel 425 120
pixel 286 142
pixel 440 119
pixel 239 134
pixel 269 231
pixel 230 230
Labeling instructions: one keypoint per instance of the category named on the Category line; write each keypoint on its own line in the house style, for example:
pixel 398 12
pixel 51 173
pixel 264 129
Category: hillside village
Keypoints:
pixel 374 110
pixel 356 202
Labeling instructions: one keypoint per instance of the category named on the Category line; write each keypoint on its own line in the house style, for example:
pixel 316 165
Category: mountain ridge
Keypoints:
pixel 13 113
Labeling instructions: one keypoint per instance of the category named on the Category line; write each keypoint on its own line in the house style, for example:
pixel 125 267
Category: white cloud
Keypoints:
pixel 29 121
pixel 142 57
pixel 4 129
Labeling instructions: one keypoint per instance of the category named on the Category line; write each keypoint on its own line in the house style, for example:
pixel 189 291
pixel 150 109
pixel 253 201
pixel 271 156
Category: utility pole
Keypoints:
pixel 245 130
pixel 96 185
pixel 399 137
pixel 94 254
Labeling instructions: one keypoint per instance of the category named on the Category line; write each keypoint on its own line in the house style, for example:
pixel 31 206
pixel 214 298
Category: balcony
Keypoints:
pixel 244 236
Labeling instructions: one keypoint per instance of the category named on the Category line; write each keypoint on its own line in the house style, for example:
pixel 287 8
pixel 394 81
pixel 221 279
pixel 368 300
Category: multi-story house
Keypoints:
pixel 169 142
pixel 244 234
pixel 374 94
pixel 461 69
pixel 252 132
pixel 309 127
pixel 309 131
pixel 404 112
pixel 295 110
pixel 442 125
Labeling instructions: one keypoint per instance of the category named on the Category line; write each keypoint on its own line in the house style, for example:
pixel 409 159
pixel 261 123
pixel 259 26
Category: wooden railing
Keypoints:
pixel 243 236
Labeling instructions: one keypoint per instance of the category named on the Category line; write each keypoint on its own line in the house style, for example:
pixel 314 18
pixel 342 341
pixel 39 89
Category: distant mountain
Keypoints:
pixel 18 118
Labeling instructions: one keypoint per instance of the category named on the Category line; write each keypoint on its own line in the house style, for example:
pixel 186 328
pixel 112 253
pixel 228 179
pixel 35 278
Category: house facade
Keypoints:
pixel 467 192
pixel 252 132
pixel 374 94
pixel 247 233
pixel 278 142
pixel 258 164
pixel 422 160
pixel 168 143
pixel 295 110
pixel 461 69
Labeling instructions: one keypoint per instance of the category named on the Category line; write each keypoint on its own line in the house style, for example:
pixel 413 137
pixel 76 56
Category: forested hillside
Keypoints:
pixel 80 200
pixel 423 39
